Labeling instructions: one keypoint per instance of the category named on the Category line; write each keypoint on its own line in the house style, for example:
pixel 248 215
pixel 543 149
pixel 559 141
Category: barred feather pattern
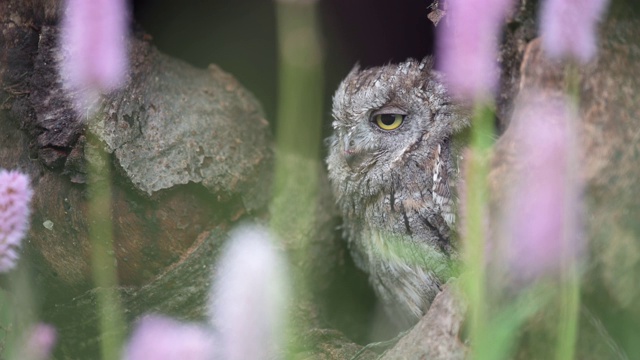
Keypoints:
pixel 396 188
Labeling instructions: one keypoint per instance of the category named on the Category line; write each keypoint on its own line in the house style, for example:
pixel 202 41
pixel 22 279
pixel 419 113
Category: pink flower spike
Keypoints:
pixel 542 221
pixel 94 43
pixel 468 46
pixel 161 338
pixel 568 27
pixel 249 296
pixel 40 343
pixel 15 197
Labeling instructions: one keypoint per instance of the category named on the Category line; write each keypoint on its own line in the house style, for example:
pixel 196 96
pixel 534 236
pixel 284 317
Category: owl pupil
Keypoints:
pixel 388 119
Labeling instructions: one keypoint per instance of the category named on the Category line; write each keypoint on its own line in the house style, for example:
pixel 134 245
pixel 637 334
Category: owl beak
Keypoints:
pixel 350 158
pixel 349 153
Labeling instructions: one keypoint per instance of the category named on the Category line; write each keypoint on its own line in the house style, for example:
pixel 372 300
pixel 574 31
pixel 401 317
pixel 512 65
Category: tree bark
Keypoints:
pixel 608 138
pixel 191 156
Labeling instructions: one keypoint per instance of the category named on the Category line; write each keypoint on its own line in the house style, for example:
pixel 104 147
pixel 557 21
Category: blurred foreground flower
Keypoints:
pixel 541 229
pixel 161 338
pixel 40 343
pixel 568 27
pixel 248 305
pixel 249 297
pixel 94 42
pixel 15 196
pixel 468 46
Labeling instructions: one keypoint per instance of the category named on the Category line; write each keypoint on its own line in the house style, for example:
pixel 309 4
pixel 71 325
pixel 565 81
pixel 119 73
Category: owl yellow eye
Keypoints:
pixel 388 121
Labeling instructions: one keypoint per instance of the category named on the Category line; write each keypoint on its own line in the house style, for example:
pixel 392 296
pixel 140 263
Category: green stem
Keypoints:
pixel 298 138
pixel 300 83
pixel 570 283
pixel 482 133
pixel 18 312
pixel 103 259
pixel 569 310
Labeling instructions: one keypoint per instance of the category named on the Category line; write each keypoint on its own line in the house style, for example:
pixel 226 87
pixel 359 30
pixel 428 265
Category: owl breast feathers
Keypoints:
pixel 393 166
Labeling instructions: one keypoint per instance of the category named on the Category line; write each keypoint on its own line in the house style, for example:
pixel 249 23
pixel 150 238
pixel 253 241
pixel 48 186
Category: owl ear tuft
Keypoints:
pixel 426 65
pixel 354 70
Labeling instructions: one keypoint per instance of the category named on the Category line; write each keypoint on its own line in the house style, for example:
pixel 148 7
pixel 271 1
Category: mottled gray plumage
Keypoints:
pixel 395 188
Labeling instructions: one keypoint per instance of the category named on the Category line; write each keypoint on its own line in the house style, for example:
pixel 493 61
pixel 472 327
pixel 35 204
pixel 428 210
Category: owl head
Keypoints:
pixel 391 124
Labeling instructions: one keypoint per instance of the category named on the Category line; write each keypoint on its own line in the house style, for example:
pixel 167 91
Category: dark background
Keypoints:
pixel 240 37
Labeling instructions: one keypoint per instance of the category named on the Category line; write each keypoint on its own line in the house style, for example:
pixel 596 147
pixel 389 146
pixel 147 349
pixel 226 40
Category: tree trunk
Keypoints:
pixel 191 156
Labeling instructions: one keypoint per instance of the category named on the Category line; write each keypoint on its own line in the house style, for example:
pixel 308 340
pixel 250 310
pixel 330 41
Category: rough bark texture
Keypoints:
pixel 437 335
pixel 608 133
pixel 191 156
pixel 191 148
pixel 520 28
pixel 610 145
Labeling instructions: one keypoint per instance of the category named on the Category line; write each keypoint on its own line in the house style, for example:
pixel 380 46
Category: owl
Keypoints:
pixel 393 166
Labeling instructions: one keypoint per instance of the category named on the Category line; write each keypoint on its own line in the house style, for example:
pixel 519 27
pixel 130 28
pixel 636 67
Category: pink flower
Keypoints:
pixel 468 44
pixel 94 43
pixel 161 338
pixel 541 225
pixel 249 296
pixel 568 27
pixel 40 342
pixel 15 196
